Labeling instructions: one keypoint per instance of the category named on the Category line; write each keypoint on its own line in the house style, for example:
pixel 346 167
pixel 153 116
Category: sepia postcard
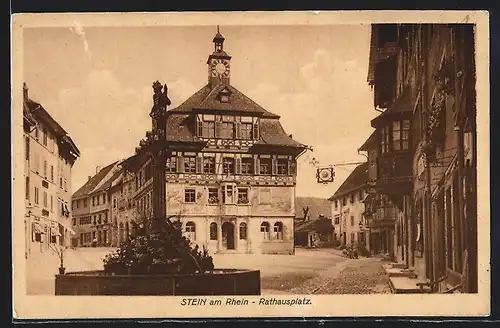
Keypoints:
pixel 250 164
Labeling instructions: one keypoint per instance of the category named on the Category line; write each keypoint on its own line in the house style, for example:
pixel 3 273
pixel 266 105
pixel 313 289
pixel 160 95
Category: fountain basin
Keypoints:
pixel 220 282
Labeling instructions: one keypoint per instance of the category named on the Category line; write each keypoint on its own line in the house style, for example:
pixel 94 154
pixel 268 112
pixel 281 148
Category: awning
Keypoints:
pixel 54 223
pixel 55 232
pixel 37 227
pixel 67 226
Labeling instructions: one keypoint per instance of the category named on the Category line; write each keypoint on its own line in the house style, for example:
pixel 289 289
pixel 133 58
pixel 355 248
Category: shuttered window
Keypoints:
pixel 256 132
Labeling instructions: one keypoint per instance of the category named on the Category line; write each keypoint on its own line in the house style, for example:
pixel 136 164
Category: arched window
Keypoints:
pixel 191 230
pixel 213 231
pixel 264 229
pixel 243 231
pixel 278 230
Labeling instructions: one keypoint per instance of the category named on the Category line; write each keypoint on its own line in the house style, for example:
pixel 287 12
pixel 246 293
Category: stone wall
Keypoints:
pixel 224 282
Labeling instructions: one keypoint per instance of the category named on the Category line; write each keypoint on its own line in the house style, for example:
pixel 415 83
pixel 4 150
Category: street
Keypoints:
pixel 309 271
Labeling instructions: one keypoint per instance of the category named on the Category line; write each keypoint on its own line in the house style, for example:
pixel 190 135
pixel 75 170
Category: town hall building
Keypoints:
pixel 231 170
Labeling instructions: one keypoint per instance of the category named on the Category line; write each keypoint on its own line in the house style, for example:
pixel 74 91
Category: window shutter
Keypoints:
pixel 291 167
pixel 256 133
pixel 199 164
pixel 218 127
pixel 274 166
pixel 199 128
pixel 257 165
pixel 238 129
pixel 180 164
pixel 238 165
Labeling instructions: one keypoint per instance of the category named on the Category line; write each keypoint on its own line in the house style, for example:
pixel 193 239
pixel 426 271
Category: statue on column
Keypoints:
pixel 160 96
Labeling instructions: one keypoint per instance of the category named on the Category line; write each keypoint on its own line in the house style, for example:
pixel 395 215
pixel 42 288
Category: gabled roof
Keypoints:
pixel 401 105
pixel 108 183
pixel 356 180
pixel 206 98
pixel 94 181
pixel 317 206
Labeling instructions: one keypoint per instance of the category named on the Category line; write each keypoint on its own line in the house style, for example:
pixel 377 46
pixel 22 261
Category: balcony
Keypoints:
pixel 394 169
pixel 376 223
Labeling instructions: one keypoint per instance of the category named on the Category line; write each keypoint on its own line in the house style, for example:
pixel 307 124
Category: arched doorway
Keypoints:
pixel 228 235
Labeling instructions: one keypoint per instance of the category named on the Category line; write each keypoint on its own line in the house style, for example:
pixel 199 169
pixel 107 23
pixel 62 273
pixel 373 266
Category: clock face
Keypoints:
pixel 220 68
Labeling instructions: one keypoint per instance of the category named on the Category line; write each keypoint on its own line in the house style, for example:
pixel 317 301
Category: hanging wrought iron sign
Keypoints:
pixel 325 175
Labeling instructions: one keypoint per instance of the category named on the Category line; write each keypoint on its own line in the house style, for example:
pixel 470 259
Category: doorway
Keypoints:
pixel 228 235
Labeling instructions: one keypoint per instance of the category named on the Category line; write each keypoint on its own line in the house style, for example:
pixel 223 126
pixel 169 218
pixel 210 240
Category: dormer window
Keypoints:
pixel 224 95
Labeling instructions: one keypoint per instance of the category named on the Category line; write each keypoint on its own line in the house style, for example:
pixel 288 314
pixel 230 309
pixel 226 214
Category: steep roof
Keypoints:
pixel 317 206
pixel 369 142
pixel 206 98
pixel 94 181
pixel 180 124
pixel 378 54
pixel 272 133
pixel 357 179
pixel 108 183
pixel 401 105
pixel 35 110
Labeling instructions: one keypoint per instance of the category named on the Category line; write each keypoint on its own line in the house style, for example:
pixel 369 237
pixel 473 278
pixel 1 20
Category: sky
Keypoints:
pixel 96 82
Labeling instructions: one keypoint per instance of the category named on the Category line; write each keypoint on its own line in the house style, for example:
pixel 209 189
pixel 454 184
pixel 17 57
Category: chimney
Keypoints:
pixel 90 177
pixel 97 169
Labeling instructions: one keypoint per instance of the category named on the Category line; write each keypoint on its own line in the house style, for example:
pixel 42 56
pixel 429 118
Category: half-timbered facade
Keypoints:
pixel 424 82
pixel 230 171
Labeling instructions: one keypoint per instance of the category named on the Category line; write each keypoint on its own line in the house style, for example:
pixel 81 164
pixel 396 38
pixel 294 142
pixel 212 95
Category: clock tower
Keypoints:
pixel 218 63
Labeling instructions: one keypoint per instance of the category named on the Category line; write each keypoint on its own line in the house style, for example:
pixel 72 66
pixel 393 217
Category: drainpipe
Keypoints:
pixel 426 229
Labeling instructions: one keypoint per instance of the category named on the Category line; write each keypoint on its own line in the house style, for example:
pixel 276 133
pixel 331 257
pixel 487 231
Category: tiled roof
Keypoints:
pixel 108 183
pixel 179 127
pixel 94 181
pixel 180 124
pixel 206 98
pixel 370 141
pixel 357 179
pixel 401 105
pixel 38 112
pixel 377 54
pixel 272 133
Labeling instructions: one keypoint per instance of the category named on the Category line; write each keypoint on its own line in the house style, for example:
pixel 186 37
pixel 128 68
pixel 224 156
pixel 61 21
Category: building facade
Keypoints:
pixel 313 224
pixel 92 209
pixel 348 208
pixel 424 148
pixel 49 157
pixel 231 171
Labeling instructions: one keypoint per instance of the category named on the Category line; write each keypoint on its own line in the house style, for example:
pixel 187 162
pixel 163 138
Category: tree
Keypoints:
pixel 157 246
